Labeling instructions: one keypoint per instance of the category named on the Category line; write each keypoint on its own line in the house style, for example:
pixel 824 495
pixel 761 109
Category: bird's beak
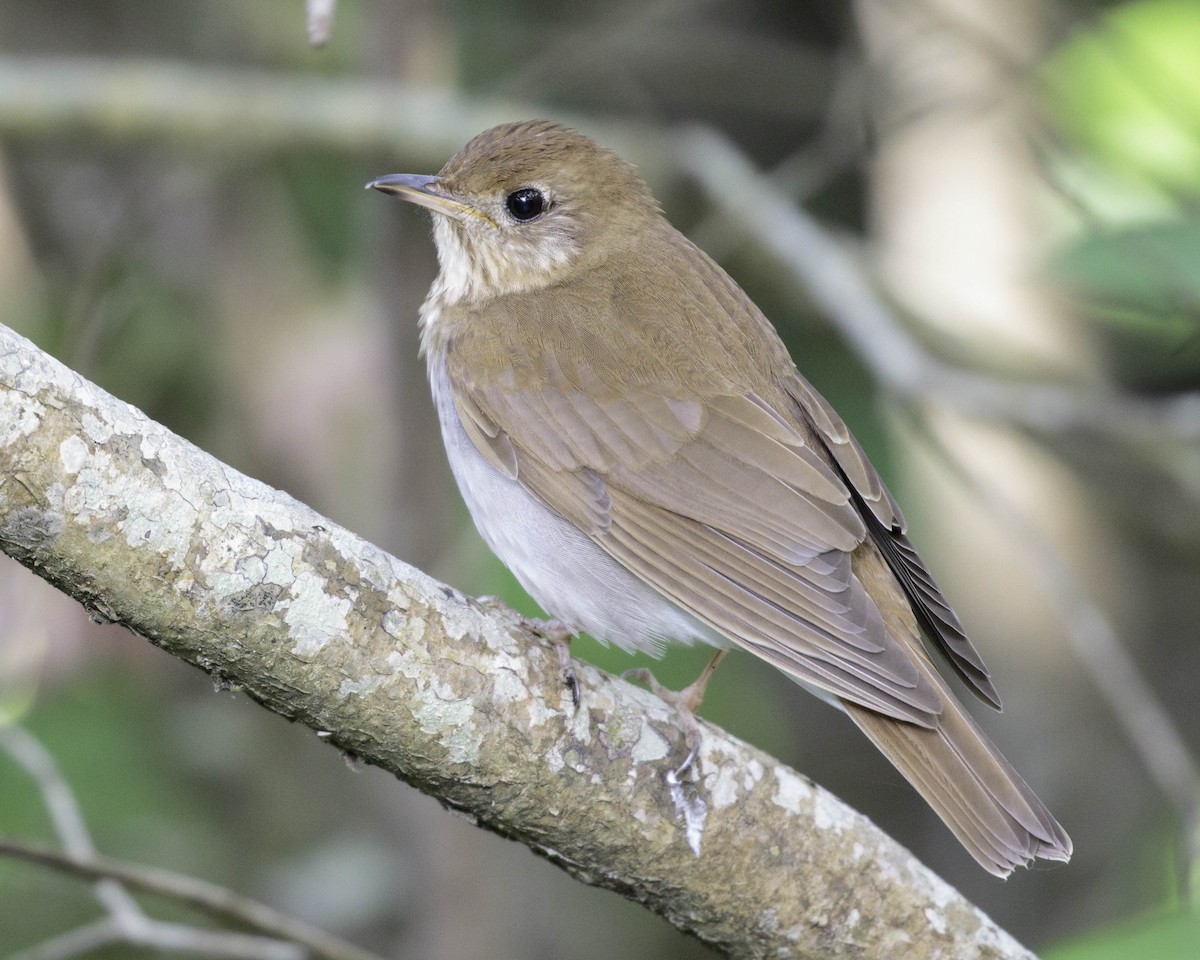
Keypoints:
pixel 426 192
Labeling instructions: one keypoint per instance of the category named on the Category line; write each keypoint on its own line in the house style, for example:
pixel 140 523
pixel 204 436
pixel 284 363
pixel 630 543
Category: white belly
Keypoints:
pixel 560 566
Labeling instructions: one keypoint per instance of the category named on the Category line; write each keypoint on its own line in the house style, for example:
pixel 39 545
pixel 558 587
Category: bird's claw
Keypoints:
pixel 560 635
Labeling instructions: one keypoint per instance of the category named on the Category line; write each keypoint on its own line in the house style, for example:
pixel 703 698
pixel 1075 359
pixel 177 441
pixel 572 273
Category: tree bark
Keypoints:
pixel 460 701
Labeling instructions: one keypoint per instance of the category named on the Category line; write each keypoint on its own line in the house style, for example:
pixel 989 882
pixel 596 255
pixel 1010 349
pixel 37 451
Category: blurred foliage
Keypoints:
pixel 1127 88
pixel 1174 936
pixel 1125 92
pixel 1143 282
pixel 1141 268
pixel 333 228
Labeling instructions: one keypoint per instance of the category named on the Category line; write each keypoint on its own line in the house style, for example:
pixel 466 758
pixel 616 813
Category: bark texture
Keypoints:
pixel 460 701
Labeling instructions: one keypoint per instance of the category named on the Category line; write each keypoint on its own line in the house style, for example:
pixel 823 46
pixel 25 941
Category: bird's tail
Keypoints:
pixel 978 794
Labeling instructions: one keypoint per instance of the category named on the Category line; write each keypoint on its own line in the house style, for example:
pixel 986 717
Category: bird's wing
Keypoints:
pixel 742 509
pixel 886 523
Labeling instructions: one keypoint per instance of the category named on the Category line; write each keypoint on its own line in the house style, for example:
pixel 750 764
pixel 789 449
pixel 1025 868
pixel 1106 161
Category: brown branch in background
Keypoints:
pixel 319 626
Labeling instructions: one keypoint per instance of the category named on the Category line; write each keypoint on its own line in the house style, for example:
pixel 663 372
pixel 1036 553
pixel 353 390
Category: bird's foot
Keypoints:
pixel 553 630
pixel 686 702
pixel 560 636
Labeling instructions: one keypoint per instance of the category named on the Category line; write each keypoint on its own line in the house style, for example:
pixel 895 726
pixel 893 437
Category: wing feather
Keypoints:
pixel 888 526
pixel 778 632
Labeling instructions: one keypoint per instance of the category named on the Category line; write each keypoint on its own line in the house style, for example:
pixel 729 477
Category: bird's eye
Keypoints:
pixel 526 204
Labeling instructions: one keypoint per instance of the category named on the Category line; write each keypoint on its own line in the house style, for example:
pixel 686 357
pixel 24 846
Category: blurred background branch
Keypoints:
pixel 255 111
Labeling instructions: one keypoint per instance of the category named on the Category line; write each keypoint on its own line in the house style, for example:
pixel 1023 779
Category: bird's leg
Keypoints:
pixel 560 635
pixel 687 701
pixel 553 630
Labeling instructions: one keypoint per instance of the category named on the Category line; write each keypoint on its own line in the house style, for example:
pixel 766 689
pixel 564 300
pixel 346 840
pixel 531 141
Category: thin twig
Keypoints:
pixel 81 940
pixel 64 812
pixel 126 922
pixel 161 936
pixel 216 901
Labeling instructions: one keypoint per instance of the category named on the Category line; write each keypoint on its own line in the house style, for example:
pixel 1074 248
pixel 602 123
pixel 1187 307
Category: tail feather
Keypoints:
pixel 950 762
pixel 970 785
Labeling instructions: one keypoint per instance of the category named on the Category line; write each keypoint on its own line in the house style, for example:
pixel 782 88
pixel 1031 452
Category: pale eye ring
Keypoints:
pixel 526 204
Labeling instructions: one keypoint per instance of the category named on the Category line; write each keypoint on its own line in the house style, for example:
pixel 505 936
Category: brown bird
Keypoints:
pixel 635 443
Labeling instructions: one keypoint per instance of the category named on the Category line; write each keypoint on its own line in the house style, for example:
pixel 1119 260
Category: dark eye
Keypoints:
pixel 526 204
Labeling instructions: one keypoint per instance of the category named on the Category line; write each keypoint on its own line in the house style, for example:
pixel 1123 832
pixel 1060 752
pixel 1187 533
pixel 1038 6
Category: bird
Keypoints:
pixel 634 442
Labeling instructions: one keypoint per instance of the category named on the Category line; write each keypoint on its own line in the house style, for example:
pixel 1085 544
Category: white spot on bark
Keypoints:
pixel 452 721
pixel 723 787
pixel 539 711
pixel 359 686
pixel 164 525
pixel 937 920
pixel 253 569
pixel 315 618
pixel 399 665
pixel 19 416
pixel 73 453
pixel 97 430
pixel 651 745
pixel 395 624
pixel 406 664
pixel 507 687
pixel 581 728
pixel 691 809
pixel 280 565
pixel 828 814
pixel 793 790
